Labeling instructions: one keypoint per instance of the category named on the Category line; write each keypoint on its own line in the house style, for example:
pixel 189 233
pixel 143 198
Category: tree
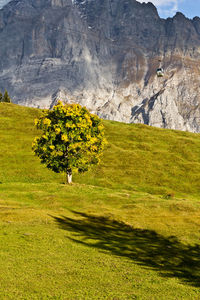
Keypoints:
pixel 1 97
pixel 6 97
pixel 72 139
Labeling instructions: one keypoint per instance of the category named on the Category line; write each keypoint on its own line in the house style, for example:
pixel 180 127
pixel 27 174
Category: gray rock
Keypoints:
pixel 103 54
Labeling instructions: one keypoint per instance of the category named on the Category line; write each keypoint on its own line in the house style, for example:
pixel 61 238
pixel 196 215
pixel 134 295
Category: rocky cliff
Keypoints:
pixel 103 54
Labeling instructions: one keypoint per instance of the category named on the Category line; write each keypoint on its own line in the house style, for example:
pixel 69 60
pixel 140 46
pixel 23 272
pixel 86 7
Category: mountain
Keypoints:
pixel 103 54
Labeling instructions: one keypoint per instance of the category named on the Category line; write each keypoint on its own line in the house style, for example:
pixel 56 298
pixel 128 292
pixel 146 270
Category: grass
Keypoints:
pixel 128 229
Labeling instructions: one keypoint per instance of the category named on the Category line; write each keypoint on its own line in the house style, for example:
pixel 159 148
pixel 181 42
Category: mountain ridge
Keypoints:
pixel 103 54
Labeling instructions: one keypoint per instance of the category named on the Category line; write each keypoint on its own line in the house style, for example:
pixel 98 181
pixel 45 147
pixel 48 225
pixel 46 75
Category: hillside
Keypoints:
pixel 138 157
pixel 105 54
pixel 128 229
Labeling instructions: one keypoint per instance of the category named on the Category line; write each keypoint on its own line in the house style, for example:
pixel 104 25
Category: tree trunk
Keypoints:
pixel 69 177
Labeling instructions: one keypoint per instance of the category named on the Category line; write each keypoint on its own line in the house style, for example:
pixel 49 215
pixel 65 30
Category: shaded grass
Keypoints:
pixel 128 229
pixel 115 245
pixel 145 247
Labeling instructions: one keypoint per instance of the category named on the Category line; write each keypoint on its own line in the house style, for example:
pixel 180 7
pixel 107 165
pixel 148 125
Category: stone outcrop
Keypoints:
pixel 103 54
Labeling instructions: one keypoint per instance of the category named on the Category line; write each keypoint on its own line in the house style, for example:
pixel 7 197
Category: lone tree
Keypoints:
pixel 72 139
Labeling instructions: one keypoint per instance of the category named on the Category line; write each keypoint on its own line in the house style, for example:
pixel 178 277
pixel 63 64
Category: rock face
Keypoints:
pixel 103 54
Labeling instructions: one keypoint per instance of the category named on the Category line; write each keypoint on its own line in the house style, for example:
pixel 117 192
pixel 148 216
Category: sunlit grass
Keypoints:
pixel 128 229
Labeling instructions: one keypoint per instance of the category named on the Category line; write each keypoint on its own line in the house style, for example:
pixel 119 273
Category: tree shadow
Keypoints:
pixel 145 247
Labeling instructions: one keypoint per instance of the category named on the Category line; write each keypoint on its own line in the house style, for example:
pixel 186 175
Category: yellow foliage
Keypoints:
pixel 100 127
pixel 93 148
pixel 64 138
pixel 57 130
pixel 72 138
pixel 59 153
pixel 36 122
pixel 47 122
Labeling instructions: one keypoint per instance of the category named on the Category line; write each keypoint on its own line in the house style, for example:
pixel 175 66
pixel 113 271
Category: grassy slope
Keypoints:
pixel 120 246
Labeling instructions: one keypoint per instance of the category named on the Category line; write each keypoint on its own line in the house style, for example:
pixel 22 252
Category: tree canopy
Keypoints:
pixel 72 139
pixel 5 97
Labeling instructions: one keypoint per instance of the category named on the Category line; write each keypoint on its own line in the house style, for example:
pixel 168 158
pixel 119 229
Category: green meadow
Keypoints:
pixel 127 229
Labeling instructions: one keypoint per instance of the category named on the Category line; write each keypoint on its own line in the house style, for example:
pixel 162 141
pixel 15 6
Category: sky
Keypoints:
pixel 3 2
pixel 166 8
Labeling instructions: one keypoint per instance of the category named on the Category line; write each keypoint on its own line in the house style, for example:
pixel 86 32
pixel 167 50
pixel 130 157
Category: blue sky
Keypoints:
pixel 168 8
pixel 3 2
